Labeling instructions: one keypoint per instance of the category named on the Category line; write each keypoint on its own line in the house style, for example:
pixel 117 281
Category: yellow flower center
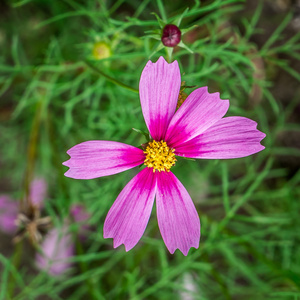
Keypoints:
pixel 159 156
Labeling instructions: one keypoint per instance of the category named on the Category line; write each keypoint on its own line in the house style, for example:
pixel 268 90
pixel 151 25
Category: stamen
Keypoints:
pixel 159 156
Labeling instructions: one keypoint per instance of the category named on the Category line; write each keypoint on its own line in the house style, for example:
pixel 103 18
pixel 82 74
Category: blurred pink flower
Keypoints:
pixel 56 250
pixel 197 130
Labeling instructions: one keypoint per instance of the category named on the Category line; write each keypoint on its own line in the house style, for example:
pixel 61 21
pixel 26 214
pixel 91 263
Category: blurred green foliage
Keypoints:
pixel 55 94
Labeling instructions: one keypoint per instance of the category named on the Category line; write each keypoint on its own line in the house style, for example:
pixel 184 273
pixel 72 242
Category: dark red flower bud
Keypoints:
pixel 171 35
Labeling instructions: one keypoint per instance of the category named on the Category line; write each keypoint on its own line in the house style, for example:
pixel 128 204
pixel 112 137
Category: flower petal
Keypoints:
pixel 127 219
pixel 94 159
pixel 178 219
pixel 159 89
pixel 230 137
pixel 197 113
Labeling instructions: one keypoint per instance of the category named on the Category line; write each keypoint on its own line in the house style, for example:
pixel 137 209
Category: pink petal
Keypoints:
pixel 38 191
pixel 57 248
pixel 178 219
pixel 159 89
pixel 94 159
pixel 198 112
pixel 8 214
pixel 230 137
pixel 127 219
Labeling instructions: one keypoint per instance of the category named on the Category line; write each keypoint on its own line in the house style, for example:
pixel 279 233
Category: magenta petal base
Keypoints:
pixel 128 217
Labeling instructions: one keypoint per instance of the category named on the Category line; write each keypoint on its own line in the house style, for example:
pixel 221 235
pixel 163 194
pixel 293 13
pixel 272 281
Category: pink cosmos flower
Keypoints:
pixel 57 248
pixel 197 130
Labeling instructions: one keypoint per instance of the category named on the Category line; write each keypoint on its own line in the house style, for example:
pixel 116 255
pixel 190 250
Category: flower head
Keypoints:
pixel 159 156
pixel 196 130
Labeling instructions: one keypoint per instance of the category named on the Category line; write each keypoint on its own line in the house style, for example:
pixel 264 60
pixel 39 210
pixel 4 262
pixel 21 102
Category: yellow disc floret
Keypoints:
pixel 159 156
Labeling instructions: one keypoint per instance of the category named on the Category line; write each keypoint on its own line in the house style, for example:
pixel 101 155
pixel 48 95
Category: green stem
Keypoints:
pixel 125 86
pixel 31 154
pixel 169 51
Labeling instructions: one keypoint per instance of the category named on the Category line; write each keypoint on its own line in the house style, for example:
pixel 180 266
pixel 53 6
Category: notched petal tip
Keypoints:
pixel 117 241
pixel 253 123
pixel 67 174
pixel 127 247
pixel 184 251
pixel 160 63
pixel 65 163
pixel 258 134
pixel 261 135
pixel 117 244
pixel 215 95
pixel 161 60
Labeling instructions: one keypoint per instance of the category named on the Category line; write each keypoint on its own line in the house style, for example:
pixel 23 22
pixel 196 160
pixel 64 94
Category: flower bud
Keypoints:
pixel 101 50
pixel 171 35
